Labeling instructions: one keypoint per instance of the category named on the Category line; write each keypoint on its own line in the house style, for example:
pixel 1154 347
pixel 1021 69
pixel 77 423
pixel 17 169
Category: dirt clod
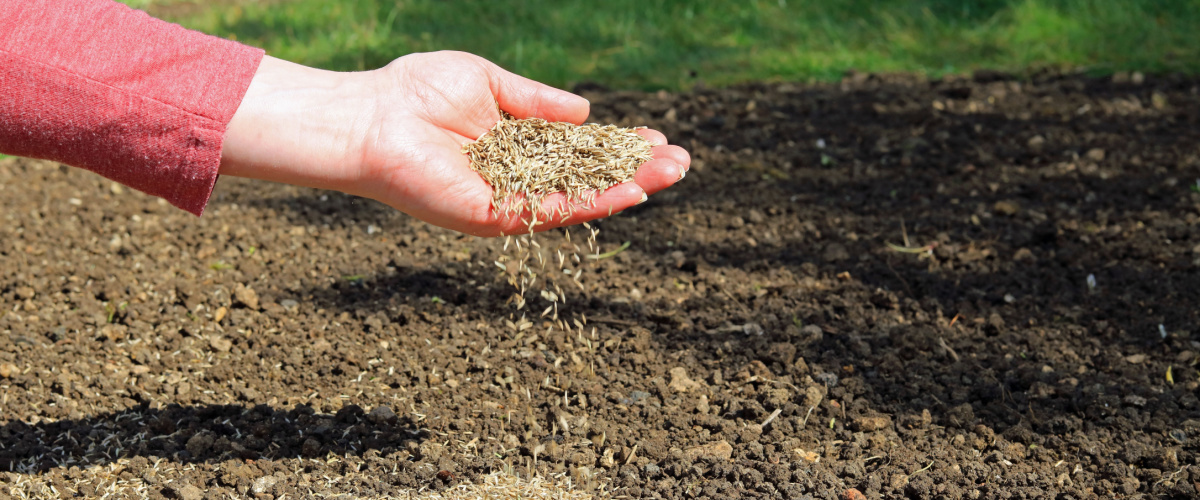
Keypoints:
pixel 186 491
pixel 872 423
pixel 264 483
pixel 114 333
pixel 806 455
pixel 719 450
pixel 381 415
pixel 220 344
pixel 680 381
pixel 245 296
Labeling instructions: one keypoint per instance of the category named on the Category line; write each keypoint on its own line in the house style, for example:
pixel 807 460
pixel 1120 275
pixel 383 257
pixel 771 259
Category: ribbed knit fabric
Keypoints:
pixel 98 85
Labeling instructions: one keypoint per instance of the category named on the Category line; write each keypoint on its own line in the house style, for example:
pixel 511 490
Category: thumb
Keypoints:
pixel 525 98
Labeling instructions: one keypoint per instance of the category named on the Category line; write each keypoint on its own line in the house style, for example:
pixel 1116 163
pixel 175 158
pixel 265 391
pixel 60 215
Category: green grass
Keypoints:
pixel 652 44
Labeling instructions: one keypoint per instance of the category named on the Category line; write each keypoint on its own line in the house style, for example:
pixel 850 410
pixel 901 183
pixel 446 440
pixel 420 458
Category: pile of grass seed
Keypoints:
pixel 524 160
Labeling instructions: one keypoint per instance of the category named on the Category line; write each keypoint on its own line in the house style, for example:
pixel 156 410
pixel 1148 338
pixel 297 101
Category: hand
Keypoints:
pixel 396 135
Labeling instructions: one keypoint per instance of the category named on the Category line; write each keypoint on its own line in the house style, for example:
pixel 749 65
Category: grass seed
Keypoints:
pixel 524 160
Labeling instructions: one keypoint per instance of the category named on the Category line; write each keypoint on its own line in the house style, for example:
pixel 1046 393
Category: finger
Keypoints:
pixel 525 98
pixel 611 201
pixel 655 137
pixel 673 153
pixel 658 174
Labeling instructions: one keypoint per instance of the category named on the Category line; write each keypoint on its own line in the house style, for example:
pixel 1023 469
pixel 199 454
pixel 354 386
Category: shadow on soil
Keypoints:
pixel 204 434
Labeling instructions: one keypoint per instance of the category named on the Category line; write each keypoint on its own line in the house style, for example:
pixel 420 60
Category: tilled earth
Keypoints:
pixel 969 288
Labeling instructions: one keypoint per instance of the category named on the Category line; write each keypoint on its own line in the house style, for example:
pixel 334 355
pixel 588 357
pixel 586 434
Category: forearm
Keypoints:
pixel 299 125
pixel 97 85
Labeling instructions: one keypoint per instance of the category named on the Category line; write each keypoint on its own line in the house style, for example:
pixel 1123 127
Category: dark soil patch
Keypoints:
pixel 984 368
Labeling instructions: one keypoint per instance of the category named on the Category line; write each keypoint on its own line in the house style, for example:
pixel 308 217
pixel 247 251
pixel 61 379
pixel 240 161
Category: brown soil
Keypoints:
pixel 984 368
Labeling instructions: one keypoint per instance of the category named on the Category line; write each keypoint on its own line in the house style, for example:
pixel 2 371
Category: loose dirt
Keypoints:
pixel 896 269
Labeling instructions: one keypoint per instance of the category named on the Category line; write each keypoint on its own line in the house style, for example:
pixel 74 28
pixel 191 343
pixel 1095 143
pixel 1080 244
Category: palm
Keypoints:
pixel 439 102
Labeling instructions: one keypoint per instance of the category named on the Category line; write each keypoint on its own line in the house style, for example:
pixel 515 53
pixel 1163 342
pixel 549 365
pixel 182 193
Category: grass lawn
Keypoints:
pixel 652 44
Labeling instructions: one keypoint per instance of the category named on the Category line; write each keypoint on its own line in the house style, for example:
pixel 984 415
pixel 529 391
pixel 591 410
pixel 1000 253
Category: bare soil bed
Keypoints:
pixel 301 343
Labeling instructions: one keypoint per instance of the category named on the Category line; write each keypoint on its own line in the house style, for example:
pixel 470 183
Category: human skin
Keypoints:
pixel 396 134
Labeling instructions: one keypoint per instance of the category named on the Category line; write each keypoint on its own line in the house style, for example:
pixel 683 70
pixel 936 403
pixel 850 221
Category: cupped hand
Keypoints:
pixel 396 135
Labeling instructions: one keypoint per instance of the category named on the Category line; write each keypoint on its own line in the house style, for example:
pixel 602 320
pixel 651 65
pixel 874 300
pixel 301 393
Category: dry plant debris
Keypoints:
pixel 524 160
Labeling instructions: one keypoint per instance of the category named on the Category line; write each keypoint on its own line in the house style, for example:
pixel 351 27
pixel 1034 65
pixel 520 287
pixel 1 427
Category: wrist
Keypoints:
pixel 300 125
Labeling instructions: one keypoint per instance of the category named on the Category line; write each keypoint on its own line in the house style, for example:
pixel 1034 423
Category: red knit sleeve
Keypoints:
pixel 97 85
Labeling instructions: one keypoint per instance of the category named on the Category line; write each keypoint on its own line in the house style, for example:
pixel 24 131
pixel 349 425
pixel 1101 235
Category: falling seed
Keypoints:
pixel 526 160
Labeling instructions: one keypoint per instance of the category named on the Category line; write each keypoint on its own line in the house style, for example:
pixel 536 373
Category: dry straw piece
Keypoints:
pixel 524 160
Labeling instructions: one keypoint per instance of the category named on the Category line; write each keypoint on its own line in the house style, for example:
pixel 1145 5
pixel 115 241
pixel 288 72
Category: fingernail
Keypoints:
pixel 682 173
pixel 643 200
